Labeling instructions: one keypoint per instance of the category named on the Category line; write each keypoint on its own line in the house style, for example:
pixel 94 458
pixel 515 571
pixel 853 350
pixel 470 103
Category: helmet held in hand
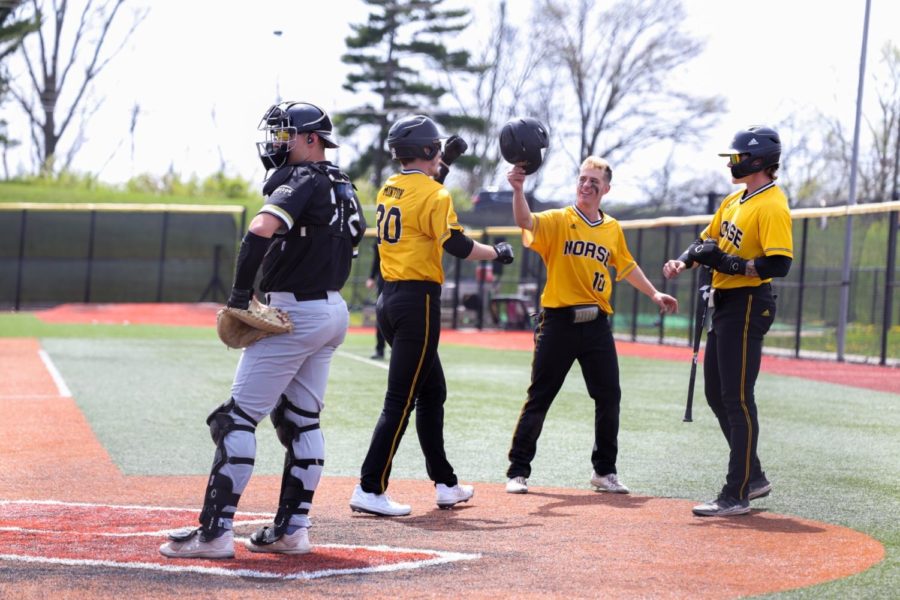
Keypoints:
pixel 523 141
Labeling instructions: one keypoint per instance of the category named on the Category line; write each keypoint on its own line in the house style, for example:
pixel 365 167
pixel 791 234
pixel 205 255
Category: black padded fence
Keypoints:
pixel 53 254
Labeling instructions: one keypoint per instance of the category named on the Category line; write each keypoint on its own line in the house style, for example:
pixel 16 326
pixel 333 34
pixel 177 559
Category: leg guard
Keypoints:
pixel 220 499
pixel 303 463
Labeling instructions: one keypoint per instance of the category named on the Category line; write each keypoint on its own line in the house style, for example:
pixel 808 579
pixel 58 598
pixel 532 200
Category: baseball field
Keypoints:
pixel 104 449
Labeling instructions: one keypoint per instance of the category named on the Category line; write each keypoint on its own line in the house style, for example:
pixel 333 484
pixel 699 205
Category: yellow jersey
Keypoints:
pixel 751 226
pixel 414 216
pixel 578 254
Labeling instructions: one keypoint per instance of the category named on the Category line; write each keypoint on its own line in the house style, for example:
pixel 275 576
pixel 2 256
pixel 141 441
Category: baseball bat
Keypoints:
pixel 704 280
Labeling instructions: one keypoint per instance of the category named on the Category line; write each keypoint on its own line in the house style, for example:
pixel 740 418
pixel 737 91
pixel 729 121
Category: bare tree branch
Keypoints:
pixel 495 94
pixel 618 62
pixel 52 66
pixel 92 69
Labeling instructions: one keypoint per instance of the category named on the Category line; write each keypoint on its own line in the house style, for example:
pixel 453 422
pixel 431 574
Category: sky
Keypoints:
pixel 203 72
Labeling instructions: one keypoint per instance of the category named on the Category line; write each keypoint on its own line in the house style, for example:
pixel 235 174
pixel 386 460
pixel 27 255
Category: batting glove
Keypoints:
pixel 504 253
pixel 454 147
pixel 708 253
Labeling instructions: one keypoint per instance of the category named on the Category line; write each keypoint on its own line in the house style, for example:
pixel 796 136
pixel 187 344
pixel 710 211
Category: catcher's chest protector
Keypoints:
pixel 315 253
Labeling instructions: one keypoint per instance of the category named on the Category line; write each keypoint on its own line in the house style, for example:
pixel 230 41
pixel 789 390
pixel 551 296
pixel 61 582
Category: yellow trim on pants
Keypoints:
pixel 743 398
pixel 409 399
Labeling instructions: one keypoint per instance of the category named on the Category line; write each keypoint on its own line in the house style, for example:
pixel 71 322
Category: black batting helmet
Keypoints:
pixel 415 136
pixel 282 122
pixel 523 141
pixel 760 147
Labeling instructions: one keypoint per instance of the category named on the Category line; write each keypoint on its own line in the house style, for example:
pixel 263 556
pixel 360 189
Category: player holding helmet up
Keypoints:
pixel 304 238
pixel 580 246
pixel 416 223
pixel 747 243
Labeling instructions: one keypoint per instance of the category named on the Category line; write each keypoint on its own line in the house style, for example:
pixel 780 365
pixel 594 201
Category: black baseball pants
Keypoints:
pixel 740 320
pixel 379 337
pixel 558 343
pixel 409 315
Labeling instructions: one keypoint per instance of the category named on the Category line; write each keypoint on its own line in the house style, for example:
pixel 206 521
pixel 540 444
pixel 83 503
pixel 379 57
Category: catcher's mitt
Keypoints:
pixel 238 328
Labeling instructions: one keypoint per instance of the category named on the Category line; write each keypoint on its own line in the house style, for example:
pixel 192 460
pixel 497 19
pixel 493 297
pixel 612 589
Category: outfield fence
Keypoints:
pixel 57 253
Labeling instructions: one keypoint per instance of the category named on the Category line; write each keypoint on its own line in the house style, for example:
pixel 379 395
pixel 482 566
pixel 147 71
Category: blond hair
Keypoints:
pixel 595 162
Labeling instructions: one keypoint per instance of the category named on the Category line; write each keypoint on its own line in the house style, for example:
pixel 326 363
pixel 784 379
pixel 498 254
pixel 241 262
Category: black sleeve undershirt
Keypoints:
pixel 250 257
pixel 459 244
pixel 776 265
pixel 375 271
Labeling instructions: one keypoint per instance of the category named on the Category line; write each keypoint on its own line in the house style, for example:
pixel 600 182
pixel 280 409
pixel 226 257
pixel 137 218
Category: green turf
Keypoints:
pixel 831 451
pixel 27 325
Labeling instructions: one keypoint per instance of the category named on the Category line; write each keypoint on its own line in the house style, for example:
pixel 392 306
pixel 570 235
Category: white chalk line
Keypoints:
pixel 381 364
pixel 440 556
pixel 124 506
pixel 55 374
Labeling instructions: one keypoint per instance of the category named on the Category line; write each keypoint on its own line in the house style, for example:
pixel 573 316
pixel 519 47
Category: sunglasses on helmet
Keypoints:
pixel 281 135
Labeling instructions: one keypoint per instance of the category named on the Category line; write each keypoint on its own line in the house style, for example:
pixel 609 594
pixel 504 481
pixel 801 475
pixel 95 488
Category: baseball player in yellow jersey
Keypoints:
pixel 416 223
pixel 581 247
pixel 747 243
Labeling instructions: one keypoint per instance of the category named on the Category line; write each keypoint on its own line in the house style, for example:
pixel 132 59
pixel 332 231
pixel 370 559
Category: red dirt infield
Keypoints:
pixel 552 542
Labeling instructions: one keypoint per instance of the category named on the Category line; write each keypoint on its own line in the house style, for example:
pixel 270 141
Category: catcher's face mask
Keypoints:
pixel 280 137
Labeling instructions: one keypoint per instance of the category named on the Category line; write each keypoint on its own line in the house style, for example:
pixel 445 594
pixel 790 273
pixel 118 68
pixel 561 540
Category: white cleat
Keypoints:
pixel 293 543
pixel 190 544
pixel 517 485
pixel 377 504
pixel 608 483
pixel 447 497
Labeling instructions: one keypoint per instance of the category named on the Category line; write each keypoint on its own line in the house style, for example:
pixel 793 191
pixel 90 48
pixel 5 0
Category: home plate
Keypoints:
pixel 128 537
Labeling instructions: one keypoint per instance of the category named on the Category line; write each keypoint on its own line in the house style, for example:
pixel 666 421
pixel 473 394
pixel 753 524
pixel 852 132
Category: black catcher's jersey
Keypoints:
pixel 322 227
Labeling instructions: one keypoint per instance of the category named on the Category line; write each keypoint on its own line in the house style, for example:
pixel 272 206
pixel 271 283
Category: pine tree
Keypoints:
pixel 12 32
pixel 396 55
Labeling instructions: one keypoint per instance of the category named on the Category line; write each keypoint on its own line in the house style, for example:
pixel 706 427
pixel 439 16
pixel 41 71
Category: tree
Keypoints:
pixel 617 63
pixel 886 132
pixel 12 33
pixel 390 54
pixel 665 196
pixel 508 83
pixel 62 67
pixel 816 161
pixel 812 170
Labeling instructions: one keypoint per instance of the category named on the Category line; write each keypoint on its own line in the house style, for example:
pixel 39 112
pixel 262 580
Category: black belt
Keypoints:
pixel 431 287
pixel 577 314
pixel 310 296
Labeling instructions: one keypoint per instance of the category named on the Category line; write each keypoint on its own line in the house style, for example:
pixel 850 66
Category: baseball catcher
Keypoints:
pixel 303 238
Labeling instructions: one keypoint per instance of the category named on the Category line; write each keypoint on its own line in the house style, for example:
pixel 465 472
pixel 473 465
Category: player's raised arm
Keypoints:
pixel 521 212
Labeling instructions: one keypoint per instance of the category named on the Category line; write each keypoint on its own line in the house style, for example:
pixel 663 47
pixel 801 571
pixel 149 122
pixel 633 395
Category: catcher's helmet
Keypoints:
pixel 282 122
pixel 415 136
pixel 753 150
pixel 523 141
